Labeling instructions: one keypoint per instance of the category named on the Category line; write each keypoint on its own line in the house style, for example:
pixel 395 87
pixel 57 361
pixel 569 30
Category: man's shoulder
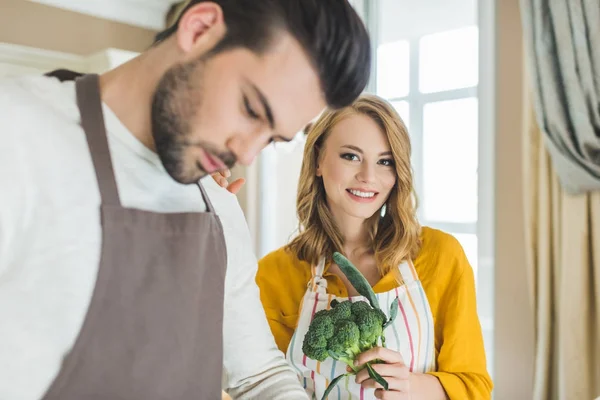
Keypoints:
pixel 229 211
pixel 226 204
pixel 41 134
pixel 27 99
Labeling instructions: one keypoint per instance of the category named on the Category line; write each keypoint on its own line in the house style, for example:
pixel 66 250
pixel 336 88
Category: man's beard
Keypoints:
pixel 174 107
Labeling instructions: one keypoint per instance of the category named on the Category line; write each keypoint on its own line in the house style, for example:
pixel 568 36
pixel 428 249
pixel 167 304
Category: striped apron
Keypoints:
pixel 411 334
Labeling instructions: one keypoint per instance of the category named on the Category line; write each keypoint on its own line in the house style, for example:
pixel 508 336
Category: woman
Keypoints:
pixel 356 196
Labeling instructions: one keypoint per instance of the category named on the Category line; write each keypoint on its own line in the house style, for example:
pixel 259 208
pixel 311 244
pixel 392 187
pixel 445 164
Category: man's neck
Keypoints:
pixel 128 90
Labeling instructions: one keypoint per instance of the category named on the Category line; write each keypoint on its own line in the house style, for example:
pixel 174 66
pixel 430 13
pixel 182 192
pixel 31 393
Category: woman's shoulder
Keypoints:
pixel 440 250
pixel 435 240
pixel 282 279
pixel 282 264
pixel 280 258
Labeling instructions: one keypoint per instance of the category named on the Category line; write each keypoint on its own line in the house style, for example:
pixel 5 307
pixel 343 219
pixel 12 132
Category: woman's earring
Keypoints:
pixel 383 210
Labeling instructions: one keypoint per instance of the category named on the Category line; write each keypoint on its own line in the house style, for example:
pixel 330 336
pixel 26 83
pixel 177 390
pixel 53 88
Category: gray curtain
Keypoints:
pixel 562 39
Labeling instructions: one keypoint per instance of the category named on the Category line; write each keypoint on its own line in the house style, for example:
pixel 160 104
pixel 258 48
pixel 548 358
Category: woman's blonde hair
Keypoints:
pixel 395 236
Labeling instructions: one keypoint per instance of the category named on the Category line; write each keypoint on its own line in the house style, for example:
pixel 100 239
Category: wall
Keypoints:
pixel 35 25
pixel 410 18
pixel 513 313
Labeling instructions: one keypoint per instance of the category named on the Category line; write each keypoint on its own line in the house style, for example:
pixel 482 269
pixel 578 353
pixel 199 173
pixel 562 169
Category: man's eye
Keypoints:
pixel 249 109
pixel 350 157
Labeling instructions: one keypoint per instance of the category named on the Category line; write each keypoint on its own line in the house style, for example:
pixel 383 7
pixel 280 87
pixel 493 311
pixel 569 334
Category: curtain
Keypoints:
pixel 563 240
pixel 563 45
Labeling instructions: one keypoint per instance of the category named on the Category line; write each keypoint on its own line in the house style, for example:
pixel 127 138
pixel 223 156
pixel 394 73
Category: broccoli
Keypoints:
pixel 348 329
pixel 343 332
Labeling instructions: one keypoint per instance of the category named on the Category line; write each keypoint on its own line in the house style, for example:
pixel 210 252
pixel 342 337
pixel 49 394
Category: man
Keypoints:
pixel 121 276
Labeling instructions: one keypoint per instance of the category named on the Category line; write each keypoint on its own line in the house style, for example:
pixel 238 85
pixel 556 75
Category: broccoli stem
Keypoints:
pixel 354 351
pixel 350 363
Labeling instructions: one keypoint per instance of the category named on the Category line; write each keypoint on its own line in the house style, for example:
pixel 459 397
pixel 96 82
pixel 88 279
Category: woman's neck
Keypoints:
pixel 354 234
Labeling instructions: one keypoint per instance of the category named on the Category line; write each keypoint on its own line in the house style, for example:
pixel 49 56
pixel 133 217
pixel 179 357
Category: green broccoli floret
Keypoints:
pixel 322 325
pixel 315 353
pixel 345 338
pixel 319 331
pixel 344 344
pixel 342 311
pixel 370 323
pixel 315 339
pixel 320 313
pixel 360 307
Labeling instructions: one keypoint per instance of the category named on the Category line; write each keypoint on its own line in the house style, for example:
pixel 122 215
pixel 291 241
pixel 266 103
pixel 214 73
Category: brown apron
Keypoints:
pixel 154 327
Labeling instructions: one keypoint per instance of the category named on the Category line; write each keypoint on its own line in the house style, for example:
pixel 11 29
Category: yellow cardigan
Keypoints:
pixel 447 279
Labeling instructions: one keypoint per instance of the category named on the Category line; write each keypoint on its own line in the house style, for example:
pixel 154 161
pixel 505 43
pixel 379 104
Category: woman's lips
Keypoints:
pixel 368 196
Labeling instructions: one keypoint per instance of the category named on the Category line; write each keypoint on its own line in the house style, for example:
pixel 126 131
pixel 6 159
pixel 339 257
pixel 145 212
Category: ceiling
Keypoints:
pixel 143 13
pixel 406 19
pixel 398 18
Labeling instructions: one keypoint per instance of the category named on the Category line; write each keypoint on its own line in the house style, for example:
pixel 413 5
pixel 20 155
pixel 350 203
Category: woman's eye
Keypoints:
pixel 387 162
pixel 350 157
pixel 249 109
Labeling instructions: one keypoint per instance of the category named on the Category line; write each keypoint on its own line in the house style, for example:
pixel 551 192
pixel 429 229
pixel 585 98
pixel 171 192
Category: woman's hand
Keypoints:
pixel 402 384
pixel 221 178
pixel 394 371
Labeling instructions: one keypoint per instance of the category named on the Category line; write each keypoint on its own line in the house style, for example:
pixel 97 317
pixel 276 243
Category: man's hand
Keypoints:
pixel 221 178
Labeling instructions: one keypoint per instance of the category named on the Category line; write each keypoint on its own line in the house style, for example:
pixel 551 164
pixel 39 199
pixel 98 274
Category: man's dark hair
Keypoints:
pixel 330 31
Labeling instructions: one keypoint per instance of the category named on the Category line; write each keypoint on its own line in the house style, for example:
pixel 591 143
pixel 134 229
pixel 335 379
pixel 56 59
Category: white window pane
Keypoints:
pixel 450 160
pixel 402 107
pixel 393 69
pixel 469 245
pixel 449 60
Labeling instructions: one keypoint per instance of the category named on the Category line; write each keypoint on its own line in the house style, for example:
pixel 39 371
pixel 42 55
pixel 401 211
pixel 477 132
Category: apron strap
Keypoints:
pixel 64 74
pixel 317 283
pixel 319 269
pixel 209 206
pixel 92 121
pixel 408 271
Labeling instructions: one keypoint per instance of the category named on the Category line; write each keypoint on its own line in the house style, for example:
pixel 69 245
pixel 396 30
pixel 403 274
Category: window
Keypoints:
pixel 449 168
pixel 402 108
pixel 427 66
pixel 448 60
pixel 393 70
pixel 442 94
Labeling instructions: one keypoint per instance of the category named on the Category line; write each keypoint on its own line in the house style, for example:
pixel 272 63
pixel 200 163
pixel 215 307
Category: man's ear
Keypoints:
pixel 201 28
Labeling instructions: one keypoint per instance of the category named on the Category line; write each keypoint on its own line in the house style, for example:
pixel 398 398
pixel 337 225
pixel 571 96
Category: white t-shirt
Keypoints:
pixel 50 237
